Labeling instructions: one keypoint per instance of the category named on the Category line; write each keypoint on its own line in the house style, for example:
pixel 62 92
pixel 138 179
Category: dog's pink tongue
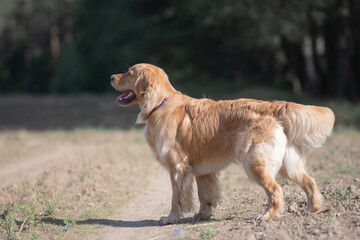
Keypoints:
pixel 123 96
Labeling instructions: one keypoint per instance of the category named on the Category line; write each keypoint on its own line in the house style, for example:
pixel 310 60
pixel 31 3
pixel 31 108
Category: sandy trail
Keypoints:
pixel 139 219
pixel 17 170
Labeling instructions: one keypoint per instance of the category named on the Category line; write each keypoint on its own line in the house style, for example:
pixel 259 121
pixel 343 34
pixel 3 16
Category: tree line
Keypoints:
pixel 75 45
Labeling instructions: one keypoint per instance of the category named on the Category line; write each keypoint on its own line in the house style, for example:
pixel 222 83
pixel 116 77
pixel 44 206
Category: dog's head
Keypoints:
pixel 134 84
pixel 144 84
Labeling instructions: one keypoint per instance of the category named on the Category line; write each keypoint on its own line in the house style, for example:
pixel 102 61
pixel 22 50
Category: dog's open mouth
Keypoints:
pixel 126 97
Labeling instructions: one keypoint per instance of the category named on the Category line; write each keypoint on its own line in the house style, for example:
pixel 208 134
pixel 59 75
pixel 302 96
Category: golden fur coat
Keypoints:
pixel 196 138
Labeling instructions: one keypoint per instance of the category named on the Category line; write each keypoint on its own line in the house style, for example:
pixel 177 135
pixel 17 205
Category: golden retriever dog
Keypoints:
pixel 197 138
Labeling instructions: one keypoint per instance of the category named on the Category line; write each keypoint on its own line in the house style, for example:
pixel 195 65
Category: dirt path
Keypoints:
pixel 112 188
pixel 15 170
pixel 139 219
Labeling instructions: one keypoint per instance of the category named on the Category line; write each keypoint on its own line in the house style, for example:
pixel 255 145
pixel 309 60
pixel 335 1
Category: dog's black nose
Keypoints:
pixel 112 77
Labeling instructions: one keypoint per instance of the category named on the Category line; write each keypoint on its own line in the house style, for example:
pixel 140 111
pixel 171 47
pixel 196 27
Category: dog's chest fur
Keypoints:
pixel 195 141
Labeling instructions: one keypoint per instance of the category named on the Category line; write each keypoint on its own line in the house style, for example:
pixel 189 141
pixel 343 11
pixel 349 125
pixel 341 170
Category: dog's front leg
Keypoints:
pixel 182 189
pixel 209 195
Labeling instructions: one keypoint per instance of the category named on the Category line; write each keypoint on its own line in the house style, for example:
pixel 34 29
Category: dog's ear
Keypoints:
pixel 144 82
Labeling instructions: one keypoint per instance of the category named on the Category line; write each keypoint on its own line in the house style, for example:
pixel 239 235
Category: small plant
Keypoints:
pixel 207 233
pixel 239 210
pixel 87 169
pixel 68 224
pixel 27 216
pixel 328 179
pixel 331 218
pixel 341 195
pixel 335 152
pixel 35 235
pixel 345 169
pixel 10 224
pixel 288 200
pixel 18 218
pixel 45 199
pixel 316 167
pixel 49 205
pixel 50 208
pixel 83 175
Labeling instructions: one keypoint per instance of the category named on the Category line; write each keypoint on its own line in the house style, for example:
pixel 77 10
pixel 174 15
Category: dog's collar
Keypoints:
pixel 158 106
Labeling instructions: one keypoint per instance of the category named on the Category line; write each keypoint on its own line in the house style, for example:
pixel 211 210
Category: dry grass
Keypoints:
pixel 81 175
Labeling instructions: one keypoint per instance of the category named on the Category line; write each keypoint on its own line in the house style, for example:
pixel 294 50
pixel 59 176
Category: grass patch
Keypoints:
pixel 340 195
pixel 207 233
pixel 345 169
pixel 16 218
pixel 48 199
pixel 91 181
pixel 25 214
pixel 68 224
pixel 10 224
pixel 328 179
pixel 334 152
pixel 331 219
pixel 237 208
pixel 317 166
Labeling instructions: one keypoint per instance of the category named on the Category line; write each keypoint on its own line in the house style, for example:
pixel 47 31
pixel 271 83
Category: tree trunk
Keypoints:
pixel 54 34
pixel 311 84
pixel 28 47
pixel 297 72
pixel 346 87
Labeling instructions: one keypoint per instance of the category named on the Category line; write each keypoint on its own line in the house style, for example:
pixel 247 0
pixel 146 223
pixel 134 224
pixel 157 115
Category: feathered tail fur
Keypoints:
pixel 305 125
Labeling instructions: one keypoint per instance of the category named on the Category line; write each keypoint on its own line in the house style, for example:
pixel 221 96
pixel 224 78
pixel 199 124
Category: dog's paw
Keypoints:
pixel 267 216
pixel 169 220
pixel 263 217
pixel 314 208
pixel 201 216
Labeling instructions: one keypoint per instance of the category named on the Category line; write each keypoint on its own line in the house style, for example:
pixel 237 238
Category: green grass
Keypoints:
pixel 48 199
pixel 334 152
pixel 237 209
pixel 68 224
pixel 345 169
pixel 89 185
pixel 34 235
pixel 16 218
pixel 328 179
pixel 22 215
pixel 207 233
pixel 317 166
pixel 10 224
pixel 340 195
pixel 331 218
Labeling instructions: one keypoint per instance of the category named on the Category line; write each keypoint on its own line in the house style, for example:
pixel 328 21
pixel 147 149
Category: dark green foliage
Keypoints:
pixel 306 45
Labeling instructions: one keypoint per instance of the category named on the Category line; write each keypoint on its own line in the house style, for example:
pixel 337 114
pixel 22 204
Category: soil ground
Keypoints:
pixel 76 168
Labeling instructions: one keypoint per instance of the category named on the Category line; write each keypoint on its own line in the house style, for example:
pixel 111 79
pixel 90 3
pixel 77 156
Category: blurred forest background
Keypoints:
pixel 66 46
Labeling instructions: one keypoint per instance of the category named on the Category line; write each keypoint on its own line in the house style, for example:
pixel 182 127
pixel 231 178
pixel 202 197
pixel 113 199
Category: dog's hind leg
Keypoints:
pixel 263 161
pixel 313 195
pixel 182 193
pixel 294 169
pixel 209 192
pixel 273 190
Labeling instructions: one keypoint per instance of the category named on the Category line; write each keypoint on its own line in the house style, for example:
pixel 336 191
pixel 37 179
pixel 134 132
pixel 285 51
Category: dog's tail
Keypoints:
pixel 305 125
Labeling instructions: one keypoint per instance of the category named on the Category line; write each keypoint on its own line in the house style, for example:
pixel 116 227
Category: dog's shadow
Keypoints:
pixel 112 223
